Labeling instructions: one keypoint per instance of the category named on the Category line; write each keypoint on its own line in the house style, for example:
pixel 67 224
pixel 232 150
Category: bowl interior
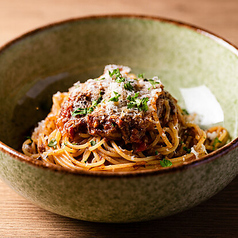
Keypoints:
pixel 51 59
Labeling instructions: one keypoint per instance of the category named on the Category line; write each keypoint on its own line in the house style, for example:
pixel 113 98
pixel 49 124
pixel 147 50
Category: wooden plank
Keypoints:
pixel 217 217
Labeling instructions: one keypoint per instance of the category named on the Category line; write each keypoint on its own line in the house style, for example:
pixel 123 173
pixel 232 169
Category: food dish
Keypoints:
pixel 119 121
pixel 50 59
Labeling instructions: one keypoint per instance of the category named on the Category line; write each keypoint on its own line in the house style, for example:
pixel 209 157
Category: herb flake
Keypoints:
pixel 153 82
pixel 140 76
pixel 128 86
pixel 92 142
pixel 165 163
pixel 88 110
pixel 53 143
pixel 115 98
pixel 216 140
pixel 140 104
pixel 185 112
pixel 186 149
pixel 117 74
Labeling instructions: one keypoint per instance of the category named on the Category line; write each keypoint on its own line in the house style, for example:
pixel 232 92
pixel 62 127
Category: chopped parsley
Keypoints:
pixel 117 74
pixel 80 111
pixel 120 79
pixel 156 152
pixel 165 163
pixel 96 102
pixel 186 149
pixel 29 138
pixel 88 110
pixel 140 76
pixel 185 112
pixel 53 143
pixel 99 79
pixel 92 142
pixel 153 82
pixel 128 86
pixel 216 140
pixel 116 98
pixel 140 104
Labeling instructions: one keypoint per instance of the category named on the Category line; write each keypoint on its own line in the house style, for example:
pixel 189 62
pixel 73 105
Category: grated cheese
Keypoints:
pixel 109 85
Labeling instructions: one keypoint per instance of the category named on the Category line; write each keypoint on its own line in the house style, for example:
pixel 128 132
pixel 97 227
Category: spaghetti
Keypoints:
pixel 119 122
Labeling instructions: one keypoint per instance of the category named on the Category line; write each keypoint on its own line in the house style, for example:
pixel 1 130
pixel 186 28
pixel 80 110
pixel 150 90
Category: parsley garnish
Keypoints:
pixel 80 111
pixel 88 110
pixel 186 149
pixel 185 112
pixel 128 86
pixel 29 138
pixel 53 143
pixel 99 79
pixel 153 82
pixel 120 79
pixel 156 152
pixel 216 140
pixel 141 76
pixel 140 104
pixel 92 142
pixel 96 102
pixel 117 74
pixel 165 163
pixel 116 98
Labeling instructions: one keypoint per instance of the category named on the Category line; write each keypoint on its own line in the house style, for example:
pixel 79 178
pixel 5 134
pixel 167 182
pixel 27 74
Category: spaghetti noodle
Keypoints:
pixel 119 122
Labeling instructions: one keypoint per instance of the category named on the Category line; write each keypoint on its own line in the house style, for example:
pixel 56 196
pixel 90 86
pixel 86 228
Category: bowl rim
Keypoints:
pixel 43 165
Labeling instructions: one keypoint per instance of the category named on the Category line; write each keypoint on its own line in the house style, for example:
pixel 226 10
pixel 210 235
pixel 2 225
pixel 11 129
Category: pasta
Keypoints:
pixel 120 122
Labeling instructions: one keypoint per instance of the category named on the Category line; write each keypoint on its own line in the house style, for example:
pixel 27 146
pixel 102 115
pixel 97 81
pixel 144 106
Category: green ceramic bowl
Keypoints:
pixel 38 64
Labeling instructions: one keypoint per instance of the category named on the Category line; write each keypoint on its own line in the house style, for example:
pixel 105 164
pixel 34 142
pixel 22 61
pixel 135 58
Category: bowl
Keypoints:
pixel 49 59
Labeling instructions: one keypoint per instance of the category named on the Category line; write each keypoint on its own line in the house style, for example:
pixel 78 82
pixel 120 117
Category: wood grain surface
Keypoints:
pixel 217 217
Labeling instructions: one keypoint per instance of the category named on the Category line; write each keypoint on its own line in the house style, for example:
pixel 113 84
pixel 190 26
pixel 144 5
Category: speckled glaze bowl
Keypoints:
pixel 52 58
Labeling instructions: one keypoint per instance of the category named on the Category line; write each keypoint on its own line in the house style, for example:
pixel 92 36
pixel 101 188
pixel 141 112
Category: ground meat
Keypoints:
pixel 131 127
pixel 99 115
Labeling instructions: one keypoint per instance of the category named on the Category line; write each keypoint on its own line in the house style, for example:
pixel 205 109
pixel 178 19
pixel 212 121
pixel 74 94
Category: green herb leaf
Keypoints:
pixel 116 98
pixel 120 79
pixel 141 76
pixel 29 138
pixel 99 79
pixel 216 140
pixel 144 107
pixel 156 152
pixel 185 112
pixel 53 143
pixel 115 72
pixel 186 149
pixel 153 82
pixel 128 86
pixel 92 142
pixel 80 111
pixel 165 163
pixel 140 104
pixel 88 110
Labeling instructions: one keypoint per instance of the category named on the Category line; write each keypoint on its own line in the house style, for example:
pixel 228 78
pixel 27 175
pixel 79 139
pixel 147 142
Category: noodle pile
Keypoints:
pixel 172 139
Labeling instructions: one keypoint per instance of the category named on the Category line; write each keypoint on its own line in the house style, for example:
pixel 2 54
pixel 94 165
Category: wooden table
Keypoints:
pixel 217 217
